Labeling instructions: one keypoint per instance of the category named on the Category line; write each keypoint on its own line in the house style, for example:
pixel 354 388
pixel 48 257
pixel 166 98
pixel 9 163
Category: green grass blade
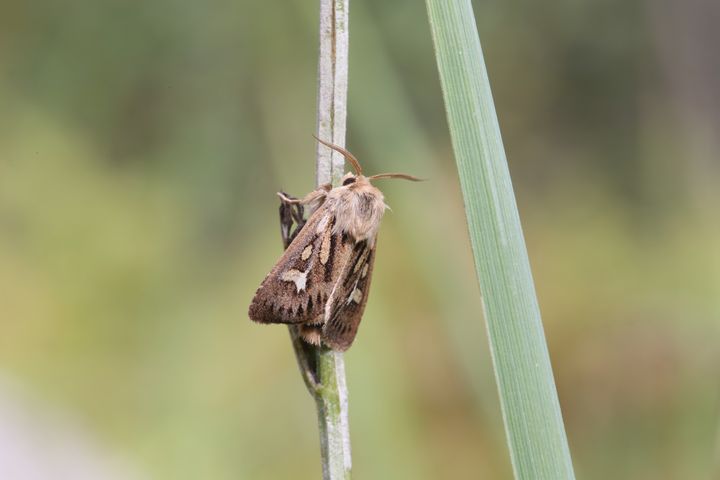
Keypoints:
pixel 531 411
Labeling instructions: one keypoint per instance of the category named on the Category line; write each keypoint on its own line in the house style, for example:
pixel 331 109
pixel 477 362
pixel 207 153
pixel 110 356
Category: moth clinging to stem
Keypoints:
pixel 321 282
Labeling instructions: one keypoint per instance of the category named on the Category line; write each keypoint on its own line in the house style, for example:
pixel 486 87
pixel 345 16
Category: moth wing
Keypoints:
pixel 348 298
pixel 292 291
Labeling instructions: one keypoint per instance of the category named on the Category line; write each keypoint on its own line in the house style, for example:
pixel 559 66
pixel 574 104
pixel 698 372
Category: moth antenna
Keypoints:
pixel 404 176
pixel 349 156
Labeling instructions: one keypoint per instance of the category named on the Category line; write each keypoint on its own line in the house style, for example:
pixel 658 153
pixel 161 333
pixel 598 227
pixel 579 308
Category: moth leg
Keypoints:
pixel 290 214
pixel 292 211
pixel 318 194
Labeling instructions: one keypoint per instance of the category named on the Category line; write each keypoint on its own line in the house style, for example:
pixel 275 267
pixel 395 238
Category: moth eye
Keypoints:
pixel 348 181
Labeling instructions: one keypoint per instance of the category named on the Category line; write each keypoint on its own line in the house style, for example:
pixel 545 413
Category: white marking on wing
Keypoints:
pixel 300 278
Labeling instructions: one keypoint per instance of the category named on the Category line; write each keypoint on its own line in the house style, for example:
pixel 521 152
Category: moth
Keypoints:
pixel 321 282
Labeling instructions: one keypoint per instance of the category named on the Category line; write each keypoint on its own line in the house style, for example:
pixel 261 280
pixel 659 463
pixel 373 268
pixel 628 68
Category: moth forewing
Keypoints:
pixel 350 297
pixel 291 292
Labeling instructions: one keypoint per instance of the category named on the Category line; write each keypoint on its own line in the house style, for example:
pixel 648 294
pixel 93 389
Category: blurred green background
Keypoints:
pixel 141 146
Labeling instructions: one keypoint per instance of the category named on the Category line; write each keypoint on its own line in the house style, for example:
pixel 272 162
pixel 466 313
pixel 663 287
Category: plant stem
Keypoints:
pixel 332 408
pixel 332 89
pixel 323 370
pixel 531 411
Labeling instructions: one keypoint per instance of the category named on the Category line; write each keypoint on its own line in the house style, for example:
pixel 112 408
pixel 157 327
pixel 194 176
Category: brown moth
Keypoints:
pixel 322 280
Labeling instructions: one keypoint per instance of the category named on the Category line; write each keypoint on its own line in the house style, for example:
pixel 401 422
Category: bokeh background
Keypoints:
pixel 141 146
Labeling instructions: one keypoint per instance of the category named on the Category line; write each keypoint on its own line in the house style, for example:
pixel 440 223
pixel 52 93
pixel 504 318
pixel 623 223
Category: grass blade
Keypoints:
pixel 531 411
